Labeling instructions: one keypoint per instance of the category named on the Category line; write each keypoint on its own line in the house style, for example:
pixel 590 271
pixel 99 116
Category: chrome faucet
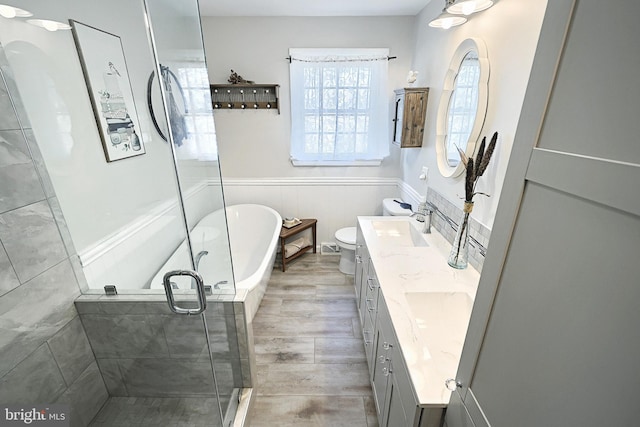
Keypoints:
pixel 199 257
pixel 430 209
pixel 426 229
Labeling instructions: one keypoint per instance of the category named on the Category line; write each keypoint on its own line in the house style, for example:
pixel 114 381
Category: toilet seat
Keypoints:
pixel 346 237
pixel 391 207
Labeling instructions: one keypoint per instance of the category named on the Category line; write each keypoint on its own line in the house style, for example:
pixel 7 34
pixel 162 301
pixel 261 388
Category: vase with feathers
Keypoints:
pixel 459 256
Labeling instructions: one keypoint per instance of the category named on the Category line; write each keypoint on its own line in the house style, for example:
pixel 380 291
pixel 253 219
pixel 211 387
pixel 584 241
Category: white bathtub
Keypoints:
pixel 253 235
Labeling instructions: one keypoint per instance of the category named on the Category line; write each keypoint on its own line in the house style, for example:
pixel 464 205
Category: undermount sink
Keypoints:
pixel 399 233
pixel 441 317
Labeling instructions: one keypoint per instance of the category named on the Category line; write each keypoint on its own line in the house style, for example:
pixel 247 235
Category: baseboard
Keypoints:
pixel 329 248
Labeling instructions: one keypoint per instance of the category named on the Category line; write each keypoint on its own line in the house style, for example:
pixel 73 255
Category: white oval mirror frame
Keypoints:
pixel 478 47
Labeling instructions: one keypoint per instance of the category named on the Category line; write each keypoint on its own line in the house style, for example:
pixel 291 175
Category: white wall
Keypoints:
pixel 510 30
pixel 123 216
pixel 96 197
pixel 256 143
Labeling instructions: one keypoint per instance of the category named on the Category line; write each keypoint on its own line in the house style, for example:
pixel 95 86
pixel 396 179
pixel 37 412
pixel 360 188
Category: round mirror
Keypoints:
pixel 463 106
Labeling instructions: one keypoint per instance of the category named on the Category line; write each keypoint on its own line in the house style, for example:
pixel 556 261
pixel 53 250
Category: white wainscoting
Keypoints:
pixel 131 256
pixel 334 202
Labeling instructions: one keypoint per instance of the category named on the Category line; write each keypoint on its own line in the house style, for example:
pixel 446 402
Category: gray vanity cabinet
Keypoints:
pixel 393 392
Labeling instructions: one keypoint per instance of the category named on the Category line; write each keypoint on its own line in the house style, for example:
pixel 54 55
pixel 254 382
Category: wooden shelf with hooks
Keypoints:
pixel 244 96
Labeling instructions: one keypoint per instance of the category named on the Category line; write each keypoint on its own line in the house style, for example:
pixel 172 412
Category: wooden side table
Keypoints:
pixel 289 232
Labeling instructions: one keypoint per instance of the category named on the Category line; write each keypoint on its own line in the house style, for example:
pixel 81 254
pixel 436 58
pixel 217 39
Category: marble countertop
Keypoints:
pixel 429 303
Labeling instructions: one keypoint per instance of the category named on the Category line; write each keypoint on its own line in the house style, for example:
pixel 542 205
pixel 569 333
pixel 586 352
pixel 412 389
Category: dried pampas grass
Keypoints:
pixel 476 168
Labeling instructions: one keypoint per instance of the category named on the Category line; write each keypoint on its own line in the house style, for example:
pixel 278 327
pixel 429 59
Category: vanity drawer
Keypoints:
pixel 370 288
pixel 369 335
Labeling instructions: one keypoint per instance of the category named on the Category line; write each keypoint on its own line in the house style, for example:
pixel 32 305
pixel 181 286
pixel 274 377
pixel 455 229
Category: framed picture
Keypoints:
pixel 107 78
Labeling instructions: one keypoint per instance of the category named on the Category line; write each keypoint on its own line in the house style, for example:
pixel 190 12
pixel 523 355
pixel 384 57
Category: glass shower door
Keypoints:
pixel 121 223
pixel 176 37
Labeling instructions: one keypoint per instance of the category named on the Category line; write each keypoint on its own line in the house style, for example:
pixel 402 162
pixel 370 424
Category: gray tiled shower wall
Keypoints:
pixel 144 350
pixel 477 231
pixel 45 356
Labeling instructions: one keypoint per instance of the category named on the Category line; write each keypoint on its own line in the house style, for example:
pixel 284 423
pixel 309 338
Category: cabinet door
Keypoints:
pixel 368 334
pixel 553 337
pixel 362 257
pixel 363 288
pixel 368 300
pixel 395 414
pixel 380 373
pixel 413 120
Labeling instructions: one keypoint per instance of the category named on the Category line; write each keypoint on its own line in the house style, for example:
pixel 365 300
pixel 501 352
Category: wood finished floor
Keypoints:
pixel 311 365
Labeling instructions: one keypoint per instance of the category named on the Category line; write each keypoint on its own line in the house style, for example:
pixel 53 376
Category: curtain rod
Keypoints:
pixel 389 58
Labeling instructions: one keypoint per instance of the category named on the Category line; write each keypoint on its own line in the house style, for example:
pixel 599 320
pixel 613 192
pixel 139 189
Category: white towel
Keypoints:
pixel 295 246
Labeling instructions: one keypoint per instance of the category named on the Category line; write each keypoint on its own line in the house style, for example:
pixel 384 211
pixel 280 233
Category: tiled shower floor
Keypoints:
pixel 158 412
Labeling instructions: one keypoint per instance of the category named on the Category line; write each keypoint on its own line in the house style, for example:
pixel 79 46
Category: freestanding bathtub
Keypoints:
pixel 253 235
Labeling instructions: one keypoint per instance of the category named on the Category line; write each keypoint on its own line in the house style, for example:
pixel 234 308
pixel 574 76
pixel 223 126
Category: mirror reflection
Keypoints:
pixel 463 106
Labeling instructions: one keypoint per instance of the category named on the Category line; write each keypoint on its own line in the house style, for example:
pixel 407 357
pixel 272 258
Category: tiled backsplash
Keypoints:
pixel 478 233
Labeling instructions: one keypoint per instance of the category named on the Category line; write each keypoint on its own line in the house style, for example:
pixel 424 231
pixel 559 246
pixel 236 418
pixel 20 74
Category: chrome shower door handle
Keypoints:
pixel 168 290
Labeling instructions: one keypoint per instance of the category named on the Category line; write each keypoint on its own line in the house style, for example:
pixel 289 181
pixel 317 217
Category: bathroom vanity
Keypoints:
pixel 414 310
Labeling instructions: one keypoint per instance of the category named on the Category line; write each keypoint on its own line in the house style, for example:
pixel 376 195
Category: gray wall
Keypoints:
pixel 256 47
pixel 45 356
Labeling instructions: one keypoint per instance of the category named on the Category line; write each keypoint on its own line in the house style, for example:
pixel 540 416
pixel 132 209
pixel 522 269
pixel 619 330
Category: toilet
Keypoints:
pixel 346 240
pixel 346 237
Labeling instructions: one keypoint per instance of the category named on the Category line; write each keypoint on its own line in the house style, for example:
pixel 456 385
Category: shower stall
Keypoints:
pixel 109 149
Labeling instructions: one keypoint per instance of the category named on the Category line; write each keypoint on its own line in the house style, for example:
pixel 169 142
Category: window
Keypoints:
pixel 339 106
pixel 200 133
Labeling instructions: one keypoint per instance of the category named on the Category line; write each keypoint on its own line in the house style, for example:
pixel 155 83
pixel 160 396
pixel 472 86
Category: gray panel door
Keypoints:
pixel 553 339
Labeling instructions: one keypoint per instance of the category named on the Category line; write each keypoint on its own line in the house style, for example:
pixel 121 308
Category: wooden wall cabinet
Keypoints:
pixel 409 117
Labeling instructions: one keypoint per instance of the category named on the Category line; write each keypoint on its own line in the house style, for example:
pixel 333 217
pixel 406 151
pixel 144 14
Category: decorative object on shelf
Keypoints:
pixel 458 258
pixel 176 103
pixel 291 222
pixel 244 96
pixel 412 76
pixel 235 78
pixel 105 72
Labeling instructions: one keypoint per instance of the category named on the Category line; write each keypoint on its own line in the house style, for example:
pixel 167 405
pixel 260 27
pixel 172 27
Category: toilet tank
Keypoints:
pixel 393 208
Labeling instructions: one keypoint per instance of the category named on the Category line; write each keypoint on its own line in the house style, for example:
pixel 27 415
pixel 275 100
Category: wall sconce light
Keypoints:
pixel 13 12
pixel 49 25
pixel 467 7
pixel 446 19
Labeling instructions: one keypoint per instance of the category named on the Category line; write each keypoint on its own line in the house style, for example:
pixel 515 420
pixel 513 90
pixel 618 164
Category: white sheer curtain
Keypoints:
pixel 339 106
